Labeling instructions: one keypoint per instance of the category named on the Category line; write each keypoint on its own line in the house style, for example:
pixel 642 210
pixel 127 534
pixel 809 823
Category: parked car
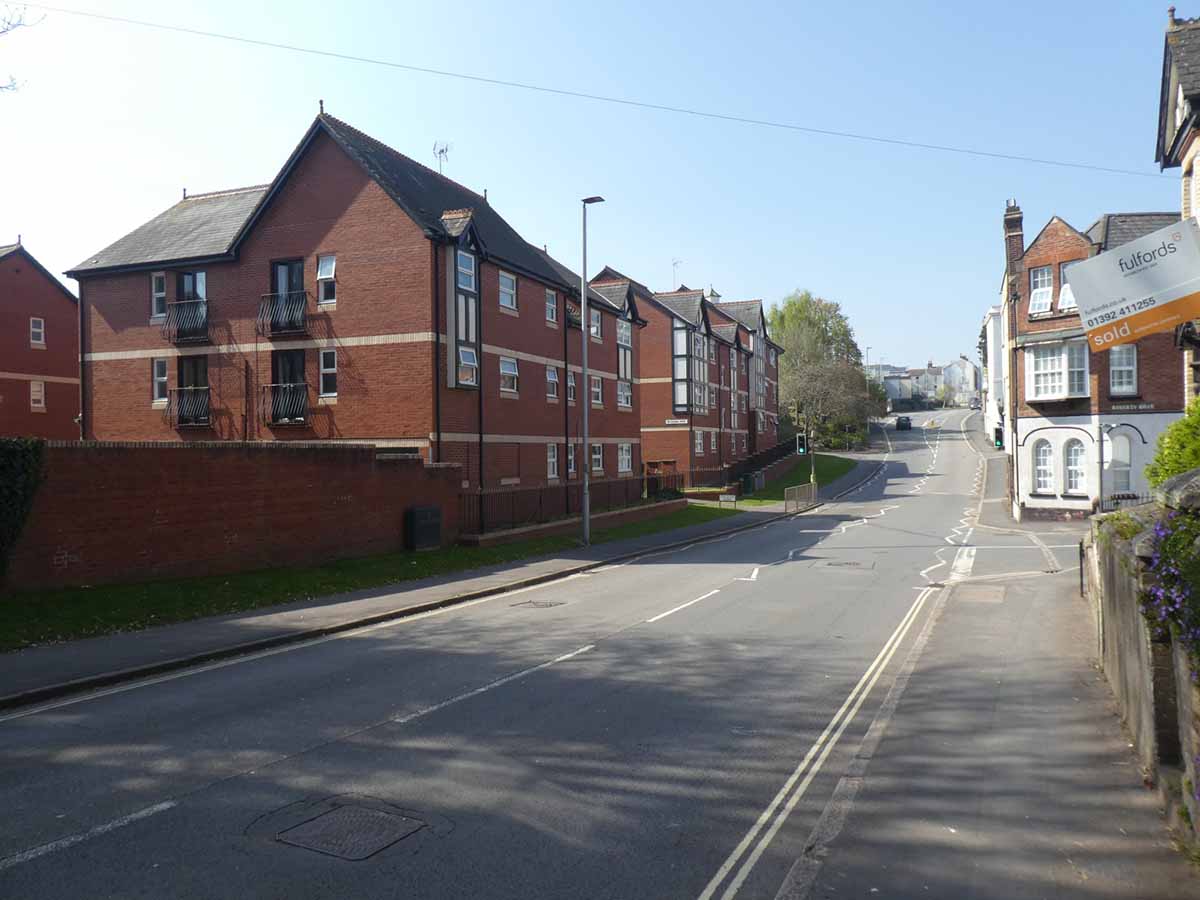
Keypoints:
pixel 903 423
pixel 975 404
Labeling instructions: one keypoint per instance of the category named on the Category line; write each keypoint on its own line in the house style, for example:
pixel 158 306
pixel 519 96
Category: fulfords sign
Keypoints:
pixel 1148 285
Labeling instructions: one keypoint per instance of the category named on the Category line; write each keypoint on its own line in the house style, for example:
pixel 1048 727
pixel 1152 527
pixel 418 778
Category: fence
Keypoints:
pixel 1116 501
pixel 799 496
pixel 498 510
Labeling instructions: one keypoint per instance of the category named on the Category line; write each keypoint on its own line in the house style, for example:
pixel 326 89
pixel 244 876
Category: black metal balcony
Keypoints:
pixel 285 404
pixel 188 407
pixel 283 313
pixel 186 322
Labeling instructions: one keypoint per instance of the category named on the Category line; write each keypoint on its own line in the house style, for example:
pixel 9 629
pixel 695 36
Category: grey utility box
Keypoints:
pixel 422 528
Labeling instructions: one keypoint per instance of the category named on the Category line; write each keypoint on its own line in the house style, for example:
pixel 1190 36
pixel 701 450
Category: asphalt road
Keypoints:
pixel 673 727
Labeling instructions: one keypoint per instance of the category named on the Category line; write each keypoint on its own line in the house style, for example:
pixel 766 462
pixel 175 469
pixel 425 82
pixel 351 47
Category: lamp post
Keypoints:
pixel 586 334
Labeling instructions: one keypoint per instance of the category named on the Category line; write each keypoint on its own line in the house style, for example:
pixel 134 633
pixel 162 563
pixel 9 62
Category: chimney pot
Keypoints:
pixel 1170 16
pixel 321 106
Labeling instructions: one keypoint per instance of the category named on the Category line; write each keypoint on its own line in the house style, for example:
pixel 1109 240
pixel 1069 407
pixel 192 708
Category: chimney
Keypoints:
pixel 1014 236
pixel 1171 21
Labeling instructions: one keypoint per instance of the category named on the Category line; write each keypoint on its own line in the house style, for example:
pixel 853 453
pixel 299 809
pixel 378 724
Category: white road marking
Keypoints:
pixel 964 561
pixel 753 575
pixel 786 799
pixel 63 843
pixel 663 615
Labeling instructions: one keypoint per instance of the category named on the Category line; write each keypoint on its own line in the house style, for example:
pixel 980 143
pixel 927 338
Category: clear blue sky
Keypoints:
pixel 112 121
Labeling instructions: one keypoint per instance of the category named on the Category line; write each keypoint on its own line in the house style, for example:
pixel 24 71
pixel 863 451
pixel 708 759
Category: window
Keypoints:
pixel 326 283
pixel 37 395
pixel 679 366
pixel 761 424
pixel 1043 468
pixel 774 358
pixel 192 286
pixel 1041 287
pixel 624 333
pixel 551 306
pixel 570 387
pixel 1122 370
pixel 508 291
pixel 699 443
pixel 624 394
pixel 1066 299
pixel 158 294
pixel 466 270
pixel 712 443
pixel 570 459
pixel 712 349
pixel 624 363
pixel 743 402
pixel 1056 371
pixel 597 457
pixel 1118 464
pixel 508 375
pixel 1075 457
pixel 624 457
pixel 597 390
pixel 468 367
pixel 329 373
pixel 552 460
pixel 551 383
pixel 158 376
pixel 594 318
pixel 37 332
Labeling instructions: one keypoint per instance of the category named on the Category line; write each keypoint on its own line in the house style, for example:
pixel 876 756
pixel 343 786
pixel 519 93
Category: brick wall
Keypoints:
pixel 112 512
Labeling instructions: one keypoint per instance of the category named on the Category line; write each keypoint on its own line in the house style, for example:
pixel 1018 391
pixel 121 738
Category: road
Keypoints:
pixel 680 726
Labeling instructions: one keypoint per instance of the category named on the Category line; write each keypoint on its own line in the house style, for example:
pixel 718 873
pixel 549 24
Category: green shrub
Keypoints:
pixel 1178 447
pixel 20 474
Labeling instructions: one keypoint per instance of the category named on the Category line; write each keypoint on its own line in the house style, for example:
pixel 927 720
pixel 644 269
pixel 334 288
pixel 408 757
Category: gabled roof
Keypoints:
pixel 213 225
pixel 728 332
pixel 1180 72
pixel 688 305
pixel 572 280
pixel 197 227
pixel 1114 229
pixel 11 249
pixel 1050 222
pixel 608 273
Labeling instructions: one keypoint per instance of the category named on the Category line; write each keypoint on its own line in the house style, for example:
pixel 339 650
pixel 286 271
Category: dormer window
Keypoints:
pixel 1066 299
pixel 1041 289
pixel 1182 108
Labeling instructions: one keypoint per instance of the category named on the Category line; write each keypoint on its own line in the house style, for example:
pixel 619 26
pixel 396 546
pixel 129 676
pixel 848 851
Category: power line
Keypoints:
pixel 600 98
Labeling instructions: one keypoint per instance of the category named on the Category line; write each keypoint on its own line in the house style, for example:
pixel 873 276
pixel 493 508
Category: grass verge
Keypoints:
pixel 40 617
pixel 829 468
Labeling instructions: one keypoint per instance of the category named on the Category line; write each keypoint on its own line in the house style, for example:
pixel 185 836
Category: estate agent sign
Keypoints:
pixel 1146 286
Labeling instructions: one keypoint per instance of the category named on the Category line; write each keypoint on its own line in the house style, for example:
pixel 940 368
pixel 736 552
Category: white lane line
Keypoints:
pixel 819 750
pixel 63 843
pixel 491 685
pixel 753 576
pixel 663 615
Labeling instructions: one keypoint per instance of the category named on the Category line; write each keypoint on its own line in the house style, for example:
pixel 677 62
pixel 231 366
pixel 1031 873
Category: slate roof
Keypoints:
pixel 688 305
pixel 571 279
pixel 207 225
pixel 609 274
pixel 1114 229
pixel 1185 54
pixel 726 332
pixel 196 227
pixel 612 292
pixel 747 312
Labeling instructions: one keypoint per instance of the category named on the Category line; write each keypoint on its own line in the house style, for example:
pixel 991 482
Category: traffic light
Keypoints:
pixel 801 444
pixel 998 438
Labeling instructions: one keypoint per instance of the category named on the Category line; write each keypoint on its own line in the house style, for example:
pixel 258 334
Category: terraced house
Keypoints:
pixel 361 297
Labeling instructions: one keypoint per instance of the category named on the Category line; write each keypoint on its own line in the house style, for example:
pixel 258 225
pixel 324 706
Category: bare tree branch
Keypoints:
pixel 11 18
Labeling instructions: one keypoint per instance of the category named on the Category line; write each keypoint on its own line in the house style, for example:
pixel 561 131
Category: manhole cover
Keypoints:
pixel 350 832
pixel 844 564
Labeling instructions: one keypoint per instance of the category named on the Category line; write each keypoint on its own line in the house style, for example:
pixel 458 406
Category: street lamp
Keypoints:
pixel 586 334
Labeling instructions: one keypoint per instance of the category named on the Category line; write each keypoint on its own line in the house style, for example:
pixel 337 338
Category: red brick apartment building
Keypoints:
pixel 360 297
pixel 1068 403
pixel 39 350
pixel 705 401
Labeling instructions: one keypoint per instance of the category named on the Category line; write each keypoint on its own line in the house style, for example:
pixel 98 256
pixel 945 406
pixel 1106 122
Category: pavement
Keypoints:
pixel 884 697
pixel 41 673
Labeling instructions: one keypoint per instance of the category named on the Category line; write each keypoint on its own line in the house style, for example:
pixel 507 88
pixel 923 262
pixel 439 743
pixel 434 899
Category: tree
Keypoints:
pixel 11 18
pixel 1178 447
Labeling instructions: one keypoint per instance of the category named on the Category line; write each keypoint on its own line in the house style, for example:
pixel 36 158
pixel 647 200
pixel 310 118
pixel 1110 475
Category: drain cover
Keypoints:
pixel 541 604
pixel 844 564
pixel 350 832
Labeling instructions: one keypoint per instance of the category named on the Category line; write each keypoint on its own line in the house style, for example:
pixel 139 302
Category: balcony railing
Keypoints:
pixel 285 404
pixel 186 322
pixel 283 313
pixel 188 407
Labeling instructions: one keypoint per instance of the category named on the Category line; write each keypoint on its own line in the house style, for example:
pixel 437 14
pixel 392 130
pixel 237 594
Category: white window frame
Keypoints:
pixel 597 390
pixel 1066 297
pixel 37 396
pixel 1074 474
pixel 324 368
pixel 159 381
pixel 595 328
pixel 598 458
pixel 37 331
pixel 327 279
pixel 468 361
pixel 158 295
pixel 551 383
pixel 624 395
pixel 699 443
pixel 1119 464
pixel 624 458
pixel 570 387
pixel 712 442
pixel 1064 367
pixel 510 369
pixel 551 306
pixel 465 275
pixel 570 460
pixel 1118 368
pixel 1041 289
pixel 624 333
pixel 552 460
pixel 510 293
pixel 1043 475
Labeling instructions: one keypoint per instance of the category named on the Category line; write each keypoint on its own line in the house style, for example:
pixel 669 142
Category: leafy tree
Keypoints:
pixel 1178 447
